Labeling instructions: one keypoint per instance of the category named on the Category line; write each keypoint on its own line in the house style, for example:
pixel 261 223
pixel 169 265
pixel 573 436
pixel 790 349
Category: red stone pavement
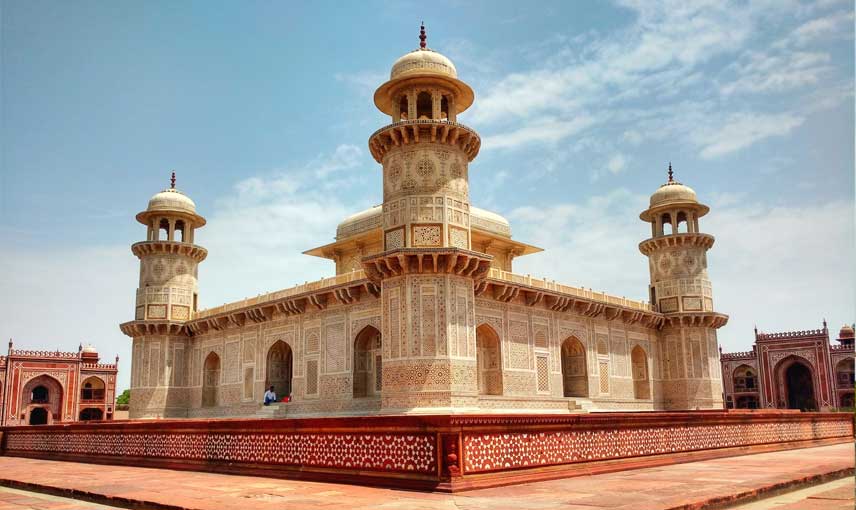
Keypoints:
pixel 692 485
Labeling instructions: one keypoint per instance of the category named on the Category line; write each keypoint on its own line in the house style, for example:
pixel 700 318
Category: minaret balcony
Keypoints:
pixel 409 132
pixel 145 248
pixel 688 239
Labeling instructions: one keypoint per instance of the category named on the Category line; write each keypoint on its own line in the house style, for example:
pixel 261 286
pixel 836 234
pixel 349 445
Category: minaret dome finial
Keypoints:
pixel 671 174
pixel 172 180
pixel 422 36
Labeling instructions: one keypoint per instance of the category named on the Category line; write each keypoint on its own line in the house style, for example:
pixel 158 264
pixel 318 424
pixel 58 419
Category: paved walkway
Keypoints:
pixel 13 499
pixel 837 495
pixel 693 485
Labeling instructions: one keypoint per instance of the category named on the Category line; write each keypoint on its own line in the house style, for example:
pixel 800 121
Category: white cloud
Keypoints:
pixel 779 267
pixel 774 73
pixel 546 130
pixel 616 164
pixel 741 130
pixel 833 26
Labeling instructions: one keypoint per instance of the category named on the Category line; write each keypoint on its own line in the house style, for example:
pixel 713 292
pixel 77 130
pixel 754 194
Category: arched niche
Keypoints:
pixel 368 363
pixel 488 360
pixel 574 376
pixel 211 380
pixel 279 368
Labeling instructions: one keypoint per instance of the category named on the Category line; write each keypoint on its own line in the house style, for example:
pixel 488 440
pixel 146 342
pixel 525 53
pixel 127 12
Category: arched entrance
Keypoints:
pixel 574 378
pixel 211 380
pixel 91 413
pixel 488 360
pixel 92 390
pixel 799 386
pixel 47 393
pixel 38 416
pixel 279 369
pixel 745 379
pixel 641 382
pixel 368 363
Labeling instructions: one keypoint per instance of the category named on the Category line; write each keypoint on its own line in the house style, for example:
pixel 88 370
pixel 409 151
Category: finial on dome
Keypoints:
pixel 172 180
pixel 671 174
pixel 422 36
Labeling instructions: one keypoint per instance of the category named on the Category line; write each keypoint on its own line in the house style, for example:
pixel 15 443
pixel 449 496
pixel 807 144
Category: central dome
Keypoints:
pixel 423 61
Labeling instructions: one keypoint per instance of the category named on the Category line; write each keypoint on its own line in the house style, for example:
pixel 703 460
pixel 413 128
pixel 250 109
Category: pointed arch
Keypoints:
pixel 488 360
pixel 92 389
pixel 279 368
pixel 211 380
pixel 796 382
pixel 42 392
pixel 745 378
pixel 574 375
pixel 368 363
pixel 641 381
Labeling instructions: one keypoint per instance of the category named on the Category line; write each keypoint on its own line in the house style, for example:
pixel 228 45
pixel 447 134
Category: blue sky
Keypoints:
pixel 264 110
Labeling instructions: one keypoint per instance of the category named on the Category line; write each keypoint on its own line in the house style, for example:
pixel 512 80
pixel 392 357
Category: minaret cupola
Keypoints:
pixel 169 259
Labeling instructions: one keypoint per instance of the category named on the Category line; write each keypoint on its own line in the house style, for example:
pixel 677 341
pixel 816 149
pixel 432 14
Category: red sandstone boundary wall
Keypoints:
pixel 446 453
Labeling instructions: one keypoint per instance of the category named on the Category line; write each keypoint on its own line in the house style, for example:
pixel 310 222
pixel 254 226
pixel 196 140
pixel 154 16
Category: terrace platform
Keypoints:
pixel 440 453
pixel 733 482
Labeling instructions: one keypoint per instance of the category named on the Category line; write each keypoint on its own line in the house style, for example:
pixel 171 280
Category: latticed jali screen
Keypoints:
pixel 429 452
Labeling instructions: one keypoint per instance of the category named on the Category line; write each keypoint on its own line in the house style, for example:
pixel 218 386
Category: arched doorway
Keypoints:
pixel 799 387
pixel 844 373
pixel 92 390
pixel 211 380
pixel 91 413
pixel 488 360
pixel 279 369
pixel 47 393
pixel 745 379
pixel 641 382
pixel 368 363
pixel 574 378
pixel 38 416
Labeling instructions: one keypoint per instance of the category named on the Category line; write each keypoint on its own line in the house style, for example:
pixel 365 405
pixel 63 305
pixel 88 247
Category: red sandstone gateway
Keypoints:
pixel 444 453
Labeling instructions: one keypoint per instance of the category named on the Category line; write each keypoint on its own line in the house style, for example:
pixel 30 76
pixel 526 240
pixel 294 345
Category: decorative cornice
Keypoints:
pixel 695 320
pixel 557 301
pixel 193 251
pixel 455 261
pixel 413 131
pixel 148 327
pixel 653 244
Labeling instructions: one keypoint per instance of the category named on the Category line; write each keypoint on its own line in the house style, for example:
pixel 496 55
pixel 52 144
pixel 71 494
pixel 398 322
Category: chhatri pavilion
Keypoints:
pixel 424 313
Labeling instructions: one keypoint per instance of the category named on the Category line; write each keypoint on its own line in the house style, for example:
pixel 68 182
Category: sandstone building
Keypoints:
pixel 425 313
pixel 45 387
pixel 792 370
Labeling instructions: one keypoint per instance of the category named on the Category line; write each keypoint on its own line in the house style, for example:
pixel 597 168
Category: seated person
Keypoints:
pixel 270 396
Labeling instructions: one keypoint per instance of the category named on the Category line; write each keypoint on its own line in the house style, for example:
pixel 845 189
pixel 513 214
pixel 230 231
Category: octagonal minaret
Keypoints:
pixel 168 289
pixel 425 152
pixel 427 270
pixel 680 289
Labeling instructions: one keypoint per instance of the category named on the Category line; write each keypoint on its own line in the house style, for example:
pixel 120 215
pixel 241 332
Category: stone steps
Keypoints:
pixel 272 411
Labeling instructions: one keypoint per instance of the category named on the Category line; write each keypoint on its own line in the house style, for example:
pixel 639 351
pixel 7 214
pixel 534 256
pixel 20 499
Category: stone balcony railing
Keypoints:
pixel 553 286
pixel 44 354
pixel 303 288
pixel 737 355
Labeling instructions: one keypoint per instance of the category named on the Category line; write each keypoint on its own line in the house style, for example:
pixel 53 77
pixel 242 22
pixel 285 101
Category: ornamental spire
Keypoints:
pixel 422 36
pixel 172 180
pixel 671 174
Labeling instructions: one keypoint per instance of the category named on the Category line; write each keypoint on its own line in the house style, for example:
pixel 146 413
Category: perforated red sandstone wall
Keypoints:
pixel 445 453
